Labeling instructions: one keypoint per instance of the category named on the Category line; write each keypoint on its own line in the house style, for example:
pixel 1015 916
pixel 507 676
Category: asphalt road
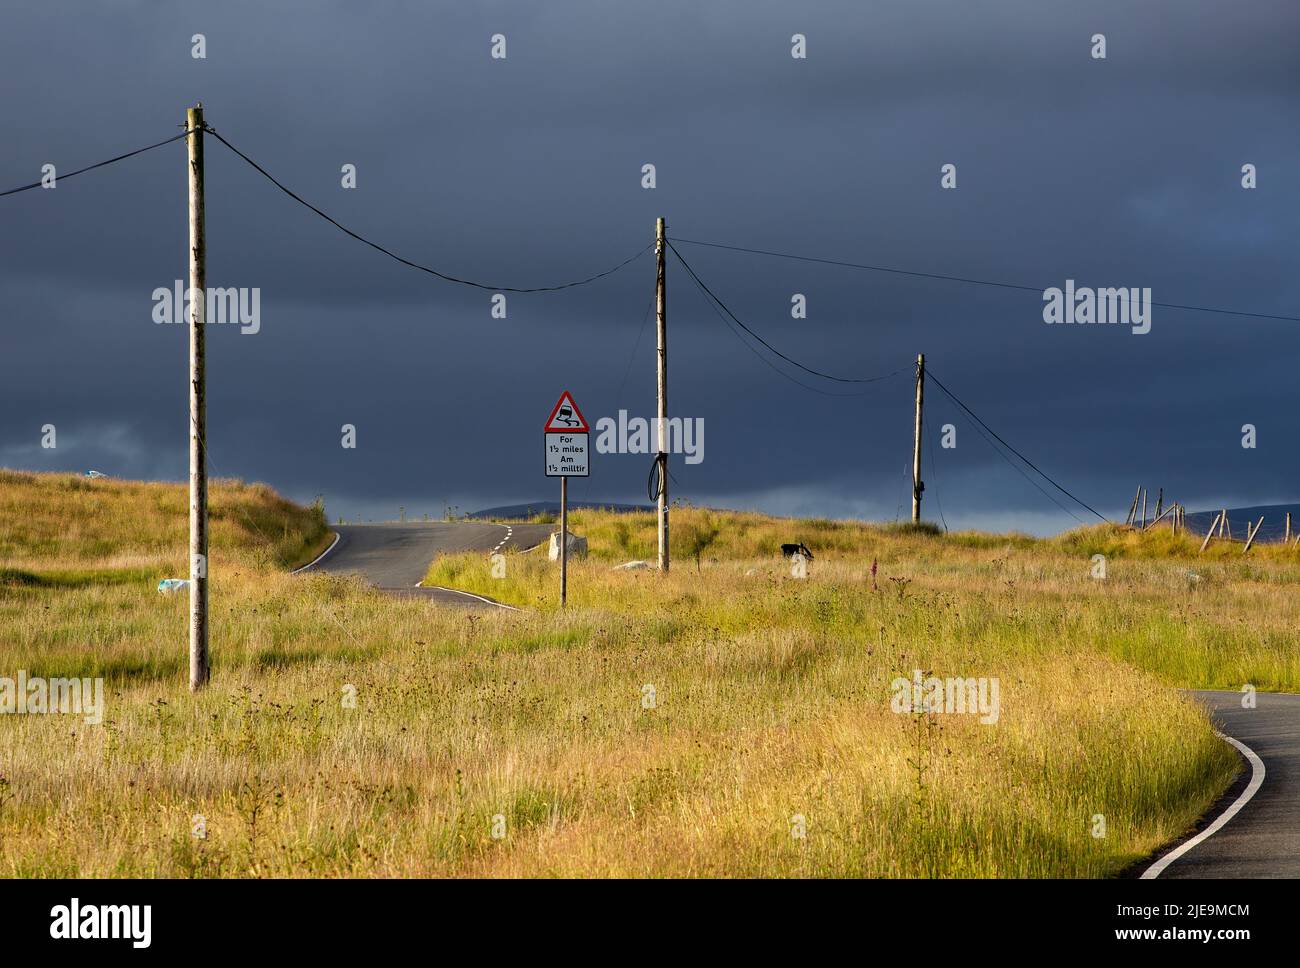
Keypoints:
pixel 1262 840
pixel 395 557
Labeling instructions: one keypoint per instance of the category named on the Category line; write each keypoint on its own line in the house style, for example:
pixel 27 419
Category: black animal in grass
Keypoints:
pixel 790 550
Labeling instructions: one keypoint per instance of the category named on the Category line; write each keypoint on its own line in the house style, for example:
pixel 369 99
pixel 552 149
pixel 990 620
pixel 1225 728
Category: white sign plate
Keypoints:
pixel 566 455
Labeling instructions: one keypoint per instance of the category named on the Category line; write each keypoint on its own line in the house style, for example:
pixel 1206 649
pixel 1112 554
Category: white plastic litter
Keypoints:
pixel 170 586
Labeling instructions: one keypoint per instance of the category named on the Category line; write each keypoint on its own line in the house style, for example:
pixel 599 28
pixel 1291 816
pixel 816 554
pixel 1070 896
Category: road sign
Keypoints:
pixel 565 436
pixel 566 417
pixel 566 456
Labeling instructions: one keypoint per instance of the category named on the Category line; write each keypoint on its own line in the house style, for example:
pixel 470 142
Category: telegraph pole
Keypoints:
pixel 917 485
pixel 564 541
pixel 662 363
pixel 198 409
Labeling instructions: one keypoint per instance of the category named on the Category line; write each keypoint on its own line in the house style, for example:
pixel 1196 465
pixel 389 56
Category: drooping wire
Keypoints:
pixel 618 398
pixel 99 164
pixel 963 279
pixel 1021 471
pixel 768 363
pixel 933 470
pixel 415 265
pixel 713 299
pixel 930 375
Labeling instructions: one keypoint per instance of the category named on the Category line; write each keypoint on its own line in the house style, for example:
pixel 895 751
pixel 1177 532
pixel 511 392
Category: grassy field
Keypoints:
pixel 725 719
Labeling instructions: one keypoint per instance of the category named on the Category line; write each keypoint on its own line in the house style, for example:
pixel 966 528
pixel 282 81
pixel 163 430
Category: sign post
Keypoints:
pixel 566 455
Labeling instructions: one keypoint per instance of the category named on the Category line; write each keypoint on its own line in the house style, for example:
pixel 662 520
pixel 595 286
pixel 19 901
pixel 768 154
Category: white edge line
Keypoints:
pixel 318 557
pixel 485 601
pixel 1256 781
pixel 418 584
pixel 457 591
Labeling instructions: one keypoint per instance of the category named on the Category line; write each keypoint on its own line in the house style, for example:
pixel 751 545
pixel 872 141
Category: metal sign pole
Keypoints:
pixel 564 540
pixel 565 439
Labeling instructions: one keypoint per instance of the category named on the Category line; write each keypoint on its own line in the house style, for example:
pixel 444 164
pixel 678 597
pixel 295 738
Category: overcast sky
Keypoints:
pixel 527 171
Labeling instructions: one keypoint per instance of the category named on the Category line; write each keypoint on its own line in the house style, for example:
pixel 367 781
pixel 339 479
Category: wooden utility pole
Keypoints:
pixel 564 540
pixel 198 409
pixel 661 320
pixel 917 485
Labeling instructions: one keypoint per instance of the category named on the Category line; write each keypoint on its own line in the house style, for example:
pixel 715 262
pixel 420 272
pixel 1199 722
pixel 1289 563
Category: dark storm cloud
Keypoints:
pixel 1123 172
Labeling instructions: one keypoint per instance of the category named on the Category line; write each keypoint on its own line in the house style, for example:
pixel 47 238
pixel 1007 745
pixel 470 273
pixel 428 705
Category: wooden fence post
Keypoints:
pixel 1251 533
pixel 1209 534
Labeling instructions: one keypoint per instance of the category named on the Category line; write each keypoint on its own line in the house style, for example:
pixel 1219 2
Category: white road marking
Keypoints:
pixel 420 583
pixel 1256 781
pixel 485 601
pixel 318 557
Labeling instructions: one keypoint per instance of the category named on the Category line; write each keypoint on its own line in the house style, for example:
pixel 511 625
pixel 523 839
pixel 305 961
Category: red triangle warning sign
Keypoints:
pixel 566 417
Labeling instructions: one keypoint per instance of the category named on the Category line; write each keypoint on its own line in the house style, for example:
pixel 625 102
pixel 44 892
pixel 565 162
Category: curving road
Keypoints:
pixel 395 557
pixel 1262 839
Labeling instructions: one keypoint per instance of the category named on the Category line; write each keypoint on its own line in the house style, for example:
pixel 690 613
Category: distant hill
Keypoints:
pixel 524 511
pixel 1273 528
pixel 1197 521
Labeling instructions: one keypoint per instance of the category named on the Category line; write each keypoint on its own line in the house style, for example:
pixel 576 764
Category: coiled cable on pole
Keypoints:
pixel 655 484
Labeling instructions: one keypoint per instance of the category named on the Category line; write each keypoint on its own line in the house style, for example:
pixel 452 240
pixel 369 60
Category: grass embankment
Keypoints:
pixel 80 561
pixel 1215 620
pixel 767 712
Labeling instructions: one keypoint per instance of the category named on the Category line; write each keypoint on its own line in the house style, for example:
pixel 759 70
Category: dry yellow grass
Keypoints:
pixel 771 703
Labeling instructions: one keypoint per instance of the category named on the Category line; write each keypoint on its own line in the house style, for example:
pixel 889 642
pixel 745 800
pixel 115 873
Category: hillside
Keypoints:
pixel 64 520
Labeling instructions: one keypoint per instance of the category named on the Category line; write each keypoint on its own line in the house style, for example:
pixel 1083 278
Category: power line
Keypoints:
pixel 933 472
pixel 768 363
pixel 407 262
pixel 618 397
pixel 964 279
pixel 807 369
pixel 360 238
pixel 1021 471
pixel 1034 467
pixel 98 164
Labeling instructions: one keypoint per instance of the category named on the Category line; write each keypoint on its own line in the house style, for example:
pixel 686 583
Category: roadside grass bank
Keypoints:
pixel 1214 621
pixel 723 720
